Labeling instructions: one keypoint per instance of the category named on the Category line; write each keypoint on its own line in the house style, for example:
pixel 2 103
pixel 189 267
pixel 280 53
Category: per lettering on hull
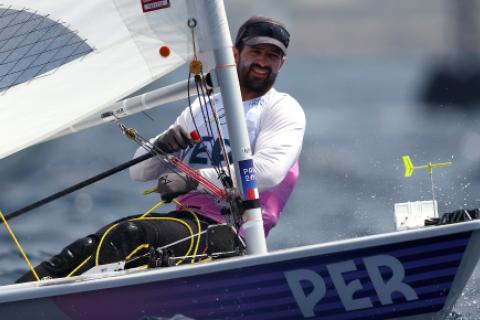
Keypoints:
pixel 381 276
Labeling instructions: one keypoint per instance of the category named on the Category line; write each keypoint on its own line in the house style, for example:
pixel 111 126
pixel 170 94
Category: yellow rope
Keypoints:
pixel 144 217
pixel 198 225
pixel 176 220
pixel 158 205
pixel 140 247
pixel 19 247
pixel 144 267
pixel 97 254
pixel 78 267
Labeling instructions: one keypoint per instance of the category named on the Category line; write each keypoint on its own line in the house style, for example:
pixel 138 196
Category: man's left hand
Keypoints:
pixel 173 140
pixel 174 184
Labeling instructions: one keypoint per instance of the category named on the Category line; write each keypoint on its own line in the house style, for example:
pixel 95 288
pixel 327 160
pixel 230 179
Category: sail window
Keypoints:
pixel 32 45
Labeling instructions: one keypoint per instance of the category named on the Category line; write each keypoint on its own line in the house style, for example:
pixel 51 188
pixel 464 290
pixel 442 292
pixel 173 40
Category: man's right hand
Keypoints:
pixel 173 140
pixel 173 184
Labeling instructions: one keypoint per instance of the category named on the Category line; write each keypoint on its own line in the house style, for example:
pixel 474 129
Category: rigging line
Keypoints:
pixel 190 108
pixel 79 185
pixel 219 129
pixel 433 194
pixel 198 256
pixel 147 115
pixel 149 147
pixel 32 269
pixel 100 243
pixel 192 24
pixel 215 162
pixel 156 206
pixel 186 225
pixel 198 234
pixel 190 237
pixel 197 220
pixel 170 159
pixel 134 251
pixel 207 255
pixel 78 267
pixel 217 123
pixel 208 128
pixel 204 107
pixel 190 103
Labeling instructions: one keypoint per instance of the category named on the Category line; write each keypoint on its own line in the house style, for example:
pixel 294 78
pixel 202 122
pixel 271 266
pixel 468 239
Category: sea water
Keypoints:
pixel 363 115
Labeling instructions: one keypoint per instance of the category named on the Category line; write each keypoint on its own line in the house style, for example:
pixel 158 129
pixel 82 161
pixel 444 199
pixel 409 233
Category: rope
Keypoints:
pixel 198 225
pixel 79 185
pixel 97 253
pixel 155 207
pixel 213 108
pixel 217 120
pixel 144 217
pixel 19 247
pixel 175 220
pixel 78 267
pixel 140 247
pixel 203 96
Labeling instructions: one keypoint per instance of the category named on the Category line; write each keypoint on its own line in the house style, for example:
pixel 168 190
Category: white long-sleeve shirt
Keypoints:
pixel 276 125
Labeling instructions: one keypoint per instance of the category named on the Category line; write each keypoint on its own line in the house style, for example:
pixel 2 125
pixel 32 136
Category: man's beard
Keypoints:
pixel 251 82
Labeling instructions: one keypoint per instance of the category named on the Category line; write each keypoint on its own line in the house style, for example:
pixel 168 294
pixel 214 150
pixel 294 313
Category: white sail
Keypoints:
pixel 62 62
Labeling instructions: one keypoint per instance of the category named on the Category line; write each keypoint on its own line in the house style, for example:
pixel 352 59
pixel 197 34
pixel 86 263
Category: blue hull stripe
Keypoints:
pixel 262 292
pixel 275 280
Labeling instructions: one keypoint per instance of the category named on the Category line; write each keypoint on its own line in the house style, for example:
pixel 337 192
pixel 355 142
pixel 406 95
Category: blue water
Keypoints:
pixel 362 116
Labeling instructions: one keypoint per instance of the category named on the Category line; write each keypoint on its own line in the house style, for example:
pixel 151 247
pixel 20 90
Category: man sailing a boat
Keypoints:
pixel 276 125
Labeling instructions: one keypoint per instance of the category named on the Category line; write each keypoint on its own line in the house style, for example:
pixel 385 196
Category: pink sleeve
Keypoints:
pixel 274 200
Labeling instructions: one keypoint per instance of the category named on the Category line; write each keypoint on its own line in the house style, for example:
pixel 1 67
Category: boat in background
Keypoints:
pixel 105 51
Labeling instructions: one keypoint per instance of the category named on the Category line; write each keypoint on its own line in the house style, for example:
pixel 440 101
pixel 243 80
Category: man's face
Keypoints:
pixel 258 67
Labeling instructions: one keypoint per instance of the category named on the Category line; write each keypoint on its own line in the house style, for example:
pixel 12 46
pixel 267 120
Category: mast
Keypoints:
pixel 226 71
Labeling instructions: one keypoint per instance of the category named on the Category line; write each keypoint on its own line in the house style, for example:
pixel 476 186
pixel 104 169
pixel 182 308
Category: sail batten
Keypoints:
pixel 62 62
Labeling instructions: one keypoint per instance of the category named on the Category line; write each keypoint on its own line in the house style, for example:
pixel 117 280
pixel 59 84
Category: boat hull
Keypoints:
pixel 407 275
